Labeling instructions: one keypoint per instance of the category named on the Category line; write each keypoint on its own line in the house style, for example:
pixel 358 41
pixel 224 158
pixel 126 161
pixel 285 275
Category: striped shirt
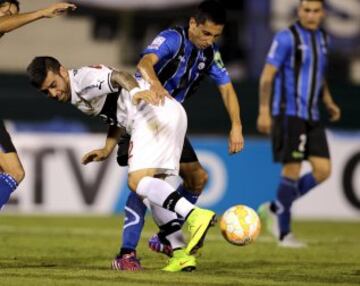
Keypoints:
pixel 182 65
pixel 300 55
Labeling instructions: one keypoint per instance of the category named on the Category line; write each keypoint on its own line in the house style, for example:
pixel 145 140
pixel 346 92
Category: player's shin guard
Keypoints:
pixel 306 183
pixel 287 193
pixel 135 211
pixel 7 186
pixel 160 193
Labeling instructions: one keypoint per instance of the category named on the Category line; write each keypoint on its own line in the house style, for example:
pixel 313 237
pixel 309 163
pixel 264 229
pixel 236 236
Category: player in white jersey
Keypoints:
pixel 157 134
pixel 148 125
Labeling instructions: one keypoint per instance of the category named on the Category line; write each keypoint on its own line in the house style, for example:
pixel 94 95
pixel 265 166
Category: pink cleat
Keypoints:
pixel 127 262
pixel 155 244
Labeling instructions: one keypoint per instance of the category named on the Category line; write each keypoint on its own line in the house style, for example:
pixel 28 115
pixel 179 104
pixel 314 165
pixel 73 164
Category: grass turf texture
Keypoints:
pixel 78 251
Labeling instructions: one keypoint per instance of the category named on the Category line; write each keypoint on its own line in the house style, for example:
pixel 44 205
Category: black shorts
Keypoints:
pixel 188 154
pixel 6 144
pixel 295 139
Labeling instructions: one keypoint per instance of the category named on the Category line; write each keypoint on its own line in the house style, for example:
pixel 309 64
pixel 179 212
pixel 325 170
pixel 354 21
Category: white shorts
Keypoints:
pixel 157 137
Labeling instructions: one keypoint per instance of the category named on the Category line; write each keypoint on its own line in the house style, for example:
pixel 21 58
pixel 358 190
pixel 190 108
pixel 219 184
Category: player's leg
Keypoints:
pixel 194 179
pixel 170 233
pixel 181 260
pixel 134 218
pixel 11 169
pixel 287 193
pixel 193 174
pixel 161 194
pixel 319 158
pixel 172 238
pixel 288 142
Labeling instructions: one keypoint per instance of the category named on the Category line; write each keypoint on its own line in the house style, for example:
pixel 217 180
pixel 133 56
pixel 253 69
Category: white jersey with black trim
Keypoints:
pixel 90 87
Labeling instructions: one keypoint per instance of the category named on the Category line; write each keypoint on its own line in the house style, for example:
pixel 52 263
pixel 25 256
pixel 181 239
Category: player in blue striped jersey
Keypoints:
pixel 174 64
pixel 292 85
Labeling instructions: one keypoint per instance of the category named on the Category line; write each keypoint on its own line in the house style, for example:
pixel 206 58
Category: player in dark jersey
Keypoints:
pixel 292 83
pixel 174 64
pixel 11 169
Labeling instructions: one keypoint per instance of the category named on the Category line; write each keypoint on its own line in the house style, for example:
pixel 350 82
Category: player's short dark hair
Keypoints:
pixel 15 2
pixel 38 68
pixel 210 10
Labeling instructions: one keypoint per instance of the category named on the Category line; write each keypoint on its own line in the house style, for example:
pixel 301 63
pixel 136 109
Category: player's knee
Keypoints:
pixel 322 172
pixel 133 182
pixel 17 173
pixel 197 181
pixel 203 178
pixel 291 171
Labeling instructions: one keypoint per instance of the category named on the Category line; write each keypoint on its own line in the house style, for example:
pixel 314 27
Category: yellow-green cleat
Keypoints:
pixel 199 222
pixel 180 262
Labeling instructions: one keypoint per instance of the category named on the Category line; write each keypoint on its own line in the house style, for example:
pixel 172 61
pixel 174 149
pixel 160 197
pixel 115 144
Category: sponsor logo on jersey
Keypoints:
pixel 297 155
pixel 156 43
pixel 218 60
pixel 100 83
pixel 201 66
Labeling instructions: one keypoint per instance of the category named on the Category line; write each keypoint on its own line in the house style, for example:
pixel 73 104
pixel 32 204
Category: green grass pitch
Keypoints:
pixel 51 250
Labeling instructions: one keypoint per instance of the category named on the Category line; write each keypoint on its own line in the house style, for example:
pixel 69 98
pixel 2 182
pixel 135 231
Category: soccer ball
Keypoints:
pixel 240 225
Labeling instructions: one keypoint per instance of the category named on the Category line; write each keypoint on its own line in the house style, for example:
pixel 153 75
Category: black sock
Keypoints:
pixel 283 234
pixel 124 251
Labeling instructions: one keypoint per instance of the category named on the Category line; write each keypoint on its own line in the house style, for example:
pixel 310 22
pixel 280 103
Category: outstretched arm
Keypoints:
pixel 266 83
pixel 12 22
pixel 146 68
pixel 236 140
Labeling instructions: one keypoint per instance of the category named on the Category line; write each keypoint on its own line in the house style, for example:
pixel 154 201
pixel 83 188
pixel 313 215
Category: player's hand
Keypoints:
pixel 236 139
pixel 148 96
pixel 57 9
pixel 161 92
pixel 264 123
pixel 95 156
pixel 334 112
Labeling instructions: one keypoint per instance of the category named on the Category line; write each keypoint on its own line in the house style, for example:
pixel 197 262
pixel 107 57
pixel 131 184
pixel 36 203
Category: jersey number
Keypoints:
pixel 302 144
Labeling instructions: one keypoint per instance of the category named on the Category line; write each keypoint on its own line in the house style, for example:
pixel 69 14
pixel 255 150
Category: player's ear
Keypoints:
pixel 63 71
pixel 192 22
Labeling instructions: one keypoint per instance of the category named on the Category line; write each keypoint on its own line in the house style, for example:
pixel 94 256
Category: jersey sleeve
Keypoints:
pixel 217 70
pixel 280 49
pixel 95 81
pixel 165 45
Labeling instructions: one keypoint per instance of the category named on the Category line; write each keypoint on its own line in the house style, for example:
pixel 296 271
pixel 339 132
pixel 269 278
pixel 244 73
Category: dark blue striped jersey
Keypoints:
pixel 300 56
pixel 182 65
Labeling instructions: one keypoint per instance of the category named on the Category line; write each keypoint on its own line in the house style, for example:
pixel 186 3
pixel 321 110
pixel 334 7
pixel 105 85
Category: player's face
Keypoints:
pixel 8 9
pixel 204 35
pixel 311 14
pixel 56 85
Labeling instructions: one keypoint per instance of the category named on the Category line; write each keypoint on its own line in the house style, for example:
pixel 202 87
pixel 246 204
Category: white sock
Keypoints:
pixel 160 193
pixel 162 217
pixel 176 239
